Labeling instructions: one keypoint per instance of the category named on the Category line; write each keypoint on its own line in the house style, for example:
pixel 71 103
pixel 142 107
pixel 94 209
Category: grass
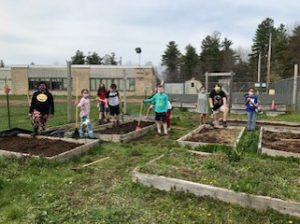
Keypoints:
pixel 37 191
pixel 251 174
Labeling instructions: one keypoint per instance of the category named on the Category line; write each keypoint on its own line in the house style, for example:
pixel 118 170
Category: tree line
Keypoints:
pixel 94 59
pixel 217 55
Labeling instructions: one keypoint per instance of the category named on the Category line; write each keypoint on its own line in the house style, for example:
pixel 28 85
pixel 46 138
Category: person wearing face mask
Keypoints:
pixel 41 108
pixel 251 102
pixel 202 104
pixel 113 98
pixel 84 105
pixel 218 103
pixel 103 105
pixel 160 100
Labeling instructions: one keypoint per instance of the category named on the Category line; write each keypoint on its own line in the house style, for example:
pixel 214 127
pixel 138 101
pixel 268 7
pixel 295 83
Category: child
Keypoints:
pixel 251 102
pixel 84 105
pixel 103 105
pixel 113 98
pixel 161 107
pixel 202 104
pixel 150 108
pixel 41 108
pixel 218 103
pixel 169 112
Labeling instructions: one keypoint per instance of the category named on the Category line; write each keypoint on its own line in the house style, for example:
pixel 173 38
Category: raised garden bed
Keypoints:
pixel 50 148
pixel 207 135
pixel 279 142
pixel 124 132
pixel 240 183
pixel 265 123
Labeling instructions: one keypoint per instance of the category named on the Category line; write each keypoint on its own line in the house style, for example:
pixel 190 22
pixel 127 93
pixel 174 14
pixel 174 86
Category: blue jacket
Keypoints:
pixel 250 105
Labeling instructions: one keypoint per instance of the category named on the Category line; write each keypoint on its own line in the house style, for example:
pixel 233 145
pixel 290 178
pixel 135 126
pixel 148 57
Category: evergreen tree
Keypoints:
pixel 293 52
pixel 210 57
pixel 190 63
pixel 2 64
pixel 171 59
pixel 93 59
pixel 110 59
pixel 78 58
pixel 261 45
pixel 228 55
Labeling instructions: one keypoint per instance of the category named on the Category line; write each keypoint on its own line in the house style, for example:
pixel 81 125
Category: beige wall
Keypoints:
pixel 19 78
pixel 144 78
pixel 83 77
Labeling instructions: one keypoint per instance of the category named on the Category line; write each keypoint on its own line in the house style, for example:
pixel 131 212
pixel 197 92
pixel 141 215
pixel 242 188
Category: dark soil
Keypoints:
pixel 125 128
pixel 35 146
pixel 289 142
pixel 215 135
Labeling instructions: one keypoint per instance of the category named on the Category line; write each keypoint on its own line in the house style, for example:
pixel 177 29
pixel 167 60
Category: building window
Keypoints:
pixel 130 83
pixel 52 83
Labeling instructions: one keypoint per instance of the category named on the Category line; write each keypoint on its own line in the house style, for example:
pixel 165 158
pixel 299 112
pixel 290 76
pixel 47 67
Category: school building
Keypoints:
pixel 138 81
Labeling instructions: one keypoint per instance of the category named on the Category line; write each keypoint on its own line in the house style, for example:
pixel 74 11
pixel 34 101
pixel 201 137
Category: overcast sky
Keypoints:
pixel 49 32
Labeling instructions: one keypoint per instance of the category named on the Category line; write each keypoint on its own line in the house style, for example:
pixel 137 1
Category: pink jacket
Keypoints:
pixel 84 105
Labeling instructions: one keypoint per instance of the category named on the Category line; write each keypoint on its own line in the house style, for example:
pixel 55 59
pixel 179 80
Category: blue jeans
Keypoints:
pixel 251 123
pixel 86 125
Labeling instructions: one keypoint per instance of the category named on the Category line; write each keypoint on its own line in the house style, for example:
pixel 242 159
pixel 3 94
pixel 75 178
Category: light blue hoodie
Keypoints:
pixel 161 102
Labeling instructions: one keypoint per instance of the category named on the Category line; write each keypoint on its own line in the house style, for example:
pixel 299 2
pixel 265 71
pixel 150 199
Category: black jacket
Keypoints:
pixel 42 102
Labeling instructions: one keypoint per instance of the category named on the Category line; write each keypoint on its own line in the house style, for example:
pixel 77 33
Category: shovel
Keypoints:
pixel 138 127
pixel 76 132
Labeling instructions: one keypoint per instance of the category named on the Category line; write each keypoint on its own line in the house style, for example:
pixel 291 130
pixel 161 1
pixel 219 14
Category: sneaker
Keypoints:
pixel 225 124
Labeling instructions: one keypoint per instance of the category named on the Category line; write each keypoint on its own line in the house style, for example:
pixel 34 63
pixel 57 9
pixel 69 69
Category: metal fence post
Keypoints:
pixel 295 87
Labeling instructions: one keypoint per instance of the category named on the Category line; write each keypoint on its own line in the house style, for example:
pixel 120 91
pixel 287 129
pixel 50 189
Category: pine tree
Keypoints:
pixel 228 55
pixel 171 59
pixel 78 58
pixel 210 57
pixel 93 59
pixel 190 63
pixel 2 64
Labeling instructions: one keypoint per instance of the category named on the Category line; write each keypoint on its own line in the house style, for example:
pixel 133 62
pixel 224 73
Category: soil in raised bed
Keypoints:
pixel 215 135
pixel 284 141
pixel 36 146
pixel 124 128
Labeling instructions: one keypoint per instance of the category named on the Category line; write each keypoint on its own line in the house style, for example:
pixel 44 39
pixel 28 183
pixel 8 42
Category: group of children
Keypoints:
pixel 217 101
pixel 42 106
pixel 108 104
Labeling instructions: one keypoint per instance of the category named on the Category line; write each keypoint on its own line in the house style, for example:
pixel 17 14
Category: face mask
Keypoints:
pixel 251 93
pixel 202 91
pixel 217 89
pixel 86 95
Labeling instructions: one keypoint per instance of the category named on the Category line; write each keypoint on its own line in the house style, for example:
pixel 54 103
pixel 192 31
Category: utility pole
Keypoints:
pixel 269 62
pixel 258 71
pixel 69 66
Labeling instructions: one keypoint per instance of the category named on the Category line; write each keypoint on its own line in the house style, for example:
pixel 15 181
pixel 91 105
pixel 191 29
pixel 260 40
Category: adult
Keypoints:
pixel 41 107
pixel 160 101
pixel 103 104
pixel 218 103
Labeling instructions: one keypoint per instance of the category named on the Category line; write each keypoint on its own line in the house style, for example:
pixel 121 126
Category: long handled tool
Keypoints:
pixel 76 132
pixel 138 127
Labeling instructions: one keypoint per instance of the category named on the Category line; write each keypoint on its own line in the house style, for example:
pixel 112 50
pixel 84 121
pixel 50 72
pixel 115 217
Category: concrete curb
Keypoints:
pixel 273 152
pixel 261 203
